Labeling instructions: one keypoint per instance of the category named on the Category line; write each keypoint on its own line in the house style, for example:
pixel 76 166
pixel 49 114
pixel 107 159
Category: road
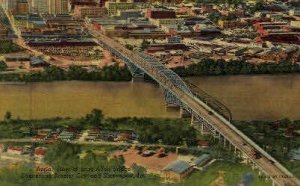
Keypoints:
pixel 273 169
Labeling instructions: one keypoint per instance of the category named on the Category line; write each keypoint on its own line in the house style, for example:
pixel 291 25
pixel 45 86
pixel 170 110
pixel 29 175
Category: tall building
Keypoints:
pixel 10 5
pixel 40 6
pixel 3 30
pixel 58 6
pixel 22 7
pixel 113 7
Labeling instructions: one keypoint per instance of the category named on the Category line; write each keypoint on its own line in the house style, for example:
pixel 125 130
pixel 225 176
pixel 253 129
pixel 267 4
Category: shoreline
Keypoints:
pixel 146 80
pixel 13 83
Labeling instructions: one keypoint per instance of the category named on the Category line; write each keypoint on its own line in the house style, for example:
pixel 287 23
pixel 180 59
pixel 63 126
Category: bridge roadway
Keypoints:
pixel 272 169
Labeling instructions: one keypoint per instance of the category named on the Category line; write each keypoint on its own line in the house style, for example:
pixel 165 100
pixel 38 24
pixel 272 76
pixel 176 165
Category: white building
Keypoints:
pixel 294 12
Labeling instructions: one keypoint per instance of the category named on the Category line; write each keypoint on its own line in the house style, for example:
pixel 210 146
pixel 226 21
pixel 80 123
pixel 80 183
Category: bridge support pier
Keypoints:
pixel 245 158
pixel 137 78
pixel 229 146
pixel 253 166
pixel 200 126
pixel 184 113
pixel 217 135
pixel 266 179
pixel 171 106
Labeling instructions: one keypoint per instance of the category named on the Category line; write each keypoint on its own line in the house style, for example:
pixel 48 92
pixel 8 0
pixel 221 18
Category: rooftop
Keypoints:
pixel 201 159
pixel 178 166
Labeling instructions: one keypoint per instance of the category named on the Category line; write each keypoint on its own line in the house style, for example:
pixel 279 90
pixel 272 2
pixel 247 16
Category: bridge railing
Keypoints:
pixel 208 99
pixel 247 139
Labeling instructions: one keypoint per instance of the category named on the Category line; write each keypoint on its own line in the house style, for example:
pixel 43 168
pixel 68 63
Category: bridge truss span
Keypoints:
pixel 178 92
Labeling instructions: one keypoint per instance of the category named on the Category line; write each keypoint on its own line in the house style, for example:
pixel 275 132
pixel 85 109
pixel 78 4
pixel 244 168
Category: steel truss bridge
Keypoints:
pixel 177 92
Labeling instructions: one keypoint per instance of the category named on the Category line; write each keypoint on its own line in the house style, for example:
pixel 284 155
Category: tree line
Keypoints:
pixel 149 130
pixel 53 73
pixel 209 66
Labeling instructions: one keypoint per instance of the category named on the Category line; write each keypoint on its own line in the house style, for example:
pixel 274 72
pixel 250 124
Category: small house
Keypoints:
pixel 15 150
pixel 177 170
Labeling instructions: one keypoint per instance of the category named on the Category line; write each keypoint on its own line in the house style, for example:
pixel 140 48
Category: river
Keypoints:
pixel 260 97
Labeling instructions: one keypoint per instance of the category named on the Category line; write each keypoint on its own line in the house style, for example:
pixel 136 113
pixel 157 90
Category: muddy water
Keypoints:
pixel 248 97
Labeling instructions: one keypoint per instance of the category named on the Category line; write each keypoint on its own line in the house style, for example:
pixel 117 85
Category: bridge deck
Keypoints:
pixel 276 171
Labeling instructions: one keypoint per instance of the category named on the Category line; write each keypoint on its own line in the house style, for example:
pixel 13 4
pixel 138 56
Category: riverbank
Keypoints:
pixel 167 131
pixel 220 67
pixel 204 68
pixel 53 73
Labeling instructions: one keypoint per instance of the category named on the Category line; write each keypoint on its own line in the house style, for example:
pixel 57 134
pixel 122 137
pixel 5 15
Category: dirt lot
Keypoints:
pixel 153 163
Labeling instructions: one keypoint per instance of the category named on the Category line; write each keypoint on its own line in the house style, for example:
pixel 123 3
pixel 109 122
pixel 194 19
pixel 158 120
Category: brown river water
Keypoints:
pixel 260 97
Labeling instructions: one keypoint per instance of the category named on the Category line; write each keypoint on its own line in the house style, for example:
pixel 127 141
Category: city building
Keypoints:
pixel 201 160
pixel 64 47
pixel 10 5
pixel 113 7
pixel 22 7
pixel 177 170
pixel 40 6
pixel 126 14
pixel 3 30
pixel 294 12
pixel 159 13
pixel 295 24
pixel 174 39
pixel 89 11
pixel 231 24
pixel 15 150
pixel 58 6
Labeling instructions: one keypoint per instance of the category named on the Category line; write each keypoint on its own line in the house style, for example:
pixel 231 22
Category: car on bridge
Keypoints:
pixel 210 112
pixel 256 154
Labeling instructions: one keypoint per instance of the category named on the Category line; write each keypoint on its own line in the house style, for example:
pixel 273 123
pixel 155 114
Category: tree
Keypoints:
pixel 62 154
pixel 53 73
pixel 145 44
pixel 138 171
pixel 95 118
pixel 129 47
pixel 98 54
pixel 7 116
pixel 3 66
pixel 77 73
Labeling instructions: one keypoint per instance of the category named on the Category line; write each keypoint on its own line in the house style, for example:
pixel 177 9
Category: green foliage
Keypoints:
pixel 77 73
pixel 62 154
pixel 271 136
pixel 95 118
pixel 138 171
pixel 3 66
pixel 259 5
pixel 53 73
pixel 129 47
pixel 149 130
pixel 233 173
pixel 9 47
pixel 145 44
pixel 7 116
pixel 168 131
pixel 209 66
